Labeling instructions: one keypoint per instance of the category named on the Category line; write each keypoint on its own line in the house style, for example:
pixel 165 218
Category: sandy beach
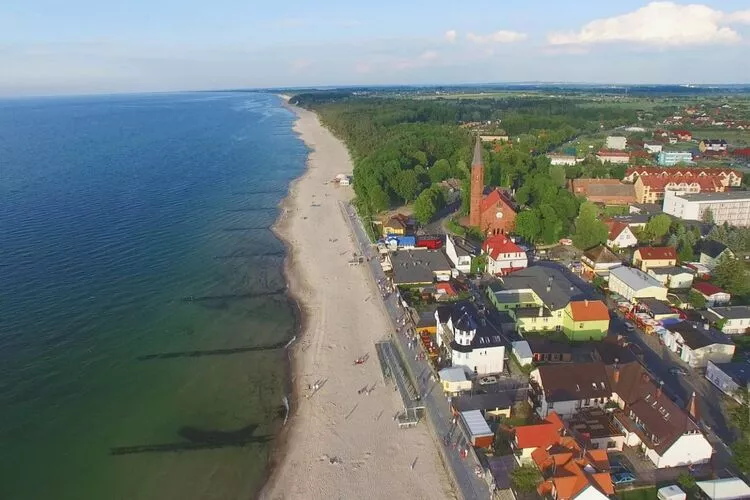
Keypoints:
pixel 339 443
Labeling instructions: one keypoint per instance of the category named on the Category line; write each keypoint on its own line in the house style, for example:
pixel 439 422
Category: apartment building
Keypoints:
pixel 731 207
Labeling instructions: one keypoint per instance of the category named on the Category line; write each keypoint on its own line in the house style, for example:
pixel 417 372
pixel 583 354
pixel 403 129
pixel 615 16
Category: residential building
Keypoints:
pixel 419 267
pixel 469 340
pixel 616 142
pixel 650 189
pixel 503 255
pixel 595 429
pixel 598 261
pixel 562 159
pixel 668 435
pixel 633 284
pixel 570 469
pixel 683 135
pixel 653 148
pixel 604 191
pixel 459 252
pixel 586 320
pixel 697 344
pixel 732 320
pixel 656 309
pixel 713 294
pixel 725 176
pixel 608 155
pixel 647 257
pixel 673 277
pixel 729 378
pixel 620 235
pixel 493 213
pixel 711 251
pixel 475 428
pixel 671 158
pixel 454 380
pixel 567 388
pixel 494 138
pixel 713 145
pixel 732 207
pixel 396 225
pixel 493 405
pixel 633 220
pixel 544 350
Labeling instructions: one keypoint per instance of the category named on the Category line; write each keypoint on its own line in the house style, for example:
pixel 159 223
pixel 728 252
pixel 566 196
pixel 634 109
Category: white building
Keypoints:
pixel 711 251
pixel 731 488
pixel 732 207
pixel 472 343
pixel 567 388
pixel 673 277
pixel 634 284
pixel 503 256
pixel 672 158
pixel 653 148
pixel 696 344
pixel 735 319
pixel 616 142
pixel 459 253
pixel 621 236
pixel 729 377
pixel 561 159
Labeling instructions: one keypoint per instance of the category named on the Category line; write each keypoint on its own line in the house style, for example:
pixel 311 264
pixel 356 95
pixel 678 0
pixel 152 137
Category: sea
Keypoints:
pixel 143 306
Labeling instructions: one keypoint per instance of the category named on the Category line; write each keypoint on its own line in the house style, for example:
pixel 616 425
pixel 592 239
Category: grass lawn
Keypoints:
pixel 734 137
pixel 638 494
pixel 612 210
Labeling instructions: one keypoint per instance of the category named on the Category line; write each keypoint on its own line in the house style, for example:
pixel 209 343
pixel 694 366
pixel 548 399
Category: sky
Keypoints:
pixel 91 46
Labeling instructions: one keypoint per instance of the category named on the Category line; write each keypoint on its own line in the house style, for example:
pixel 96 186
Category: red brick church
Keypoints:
pixel 493 212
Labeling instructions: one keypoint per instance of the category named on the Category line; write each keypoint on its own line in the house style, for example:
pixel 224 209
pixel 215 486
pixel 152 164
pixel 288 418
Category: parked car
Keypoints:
pixel 622 478
pixel 488 380
pixel 677 370
pixel 629 326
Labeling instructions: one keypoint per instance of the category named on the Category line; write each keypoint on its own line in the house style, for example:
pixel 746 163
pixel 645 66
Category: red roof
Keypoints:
pixel 615 228
pixel 612 152
pixel 682 132
pixel 499 244
pixel 495 197
pixel 589 310
pixel 539 435
pixel 707 288
pixel 447 288
pixel 660 183
pixel 657 253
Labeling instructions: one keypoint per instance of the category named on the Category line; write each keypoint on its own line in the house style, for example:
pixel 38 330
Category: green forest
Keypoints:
pixel 403 148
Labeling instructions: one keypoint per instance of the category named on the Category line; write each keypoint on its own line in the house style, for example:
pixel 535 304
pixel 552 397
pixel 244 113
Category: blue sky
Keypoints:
pixel 82 46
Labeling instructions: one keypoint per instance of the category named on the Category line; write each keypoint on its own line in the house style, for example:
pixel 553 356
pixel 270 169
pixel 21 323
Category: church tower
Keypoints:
pixel 477 186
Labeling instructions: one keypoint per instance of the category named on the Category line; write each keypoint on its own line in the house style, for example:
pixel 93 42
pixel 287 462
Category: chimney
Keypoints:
pixel 541 311
pixel 549 288
pixel 658 390
pixel 706 326
pixel 585 301
pixel 616 374
pixel 692 408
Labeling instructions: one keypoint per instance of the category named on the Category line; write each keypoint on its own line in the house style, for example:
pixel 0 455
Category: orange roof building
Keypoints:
pixel 586 320
pixel 569 469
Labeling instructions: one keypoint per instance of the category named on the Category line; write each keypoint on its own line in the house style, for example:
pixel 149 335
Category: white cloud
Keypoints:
pixel 450 36
pixel 429 55
pixel 502 36
pixel 658 23
pixel 739 17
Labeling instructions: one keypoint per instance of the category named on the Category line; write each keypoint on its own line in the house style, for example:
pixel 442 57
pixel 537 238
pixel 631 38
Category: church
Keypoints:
pixel 492 212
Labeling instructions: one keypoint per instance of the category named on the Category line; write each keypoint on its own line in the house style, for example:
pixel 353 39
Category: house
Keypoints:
pixel 666 434
pixel 683 135
pixel 733 319
pixel 657 309
pixel 608 155
pixel 503 255
pixel 586 320
pixel 651 189
pixel 711 251
pixel 714 295
pixel 419 267
pixel 673 277
pixel 570 469
pixel 595 429
pixel 732 207
pixel 731 488
pixel 598 261
pixel 653 148
pixel 672 158
pixel 470 341
pixel 714 145
pixel 493 213
pixel 620 235
pixel 566 388
pixel 454 381
pixel 634 284
pixel 604 191
pixel 616 142
pixel 562 159
pixel 476 430
pixel 522 352
pixel 646 257
pixel 494 138
pixel 396 225
pixel 445 291
pixel 459 252
pixel 633 220
pixel 729 378
pixel 697 344
pixel 544 350
pixel 492 405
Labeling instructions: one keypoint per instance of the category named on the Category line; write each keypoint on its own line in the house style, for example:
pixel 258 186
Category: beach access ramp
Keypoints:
pixel 394 372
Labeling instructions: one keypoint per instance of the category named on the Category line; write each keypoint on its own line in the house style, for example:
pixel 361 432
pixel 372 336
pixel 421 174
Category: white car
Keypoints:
pixel 487 380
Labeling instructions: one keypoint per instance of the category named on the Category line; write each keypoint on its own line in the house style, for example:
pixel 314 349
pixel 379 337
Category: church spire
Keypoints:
pixel 477 153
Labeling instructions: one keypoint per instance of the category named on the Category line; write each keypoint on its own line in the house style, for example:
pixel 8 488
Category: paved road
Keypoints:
pixel 468 485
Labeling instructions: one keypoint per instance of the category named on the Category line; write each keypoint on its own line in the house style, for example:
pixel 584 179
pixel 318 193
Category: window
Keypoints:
pixel 551 404
pixel 580 325
pixel 611 444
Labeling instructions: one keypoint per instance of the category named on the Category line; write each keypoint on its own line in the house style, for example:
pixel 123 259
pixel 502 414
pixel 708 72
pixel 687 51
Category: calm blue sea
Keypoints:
pixel 141 294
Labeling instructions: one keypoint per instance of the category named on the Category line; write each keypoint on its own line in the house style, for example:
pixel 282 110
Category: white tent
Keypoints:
pixel 731 488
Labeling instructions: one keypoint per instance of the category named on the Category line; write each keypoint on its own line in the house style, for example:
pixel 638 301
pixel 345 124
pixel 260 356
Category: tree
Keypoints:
pixel 427 204
pixel 686 482
pixel 528 225
pixel 731 274
pixel 557 174
pixel 741 454
pixel 685 253
pixel 440 171
pixel 696 300
pixel 525 479
pixel 658 226
pixel 407 185
pixel 590 231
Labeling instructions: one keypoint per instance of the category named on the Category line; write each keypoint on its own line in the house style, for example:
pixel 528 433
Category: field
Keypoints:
pixel 638 494
pixel 733 137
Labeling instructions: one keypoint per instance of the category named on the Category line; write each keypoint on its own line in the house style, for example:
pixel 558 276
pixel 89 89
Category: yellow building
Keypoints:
pixel 647 257
pixel 395 225
pixel 586 320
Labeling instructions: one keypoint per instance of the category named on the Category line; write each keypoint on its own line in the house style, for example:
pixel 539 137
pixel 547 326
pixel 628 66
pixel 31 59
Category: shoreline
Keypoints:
pixel 358 464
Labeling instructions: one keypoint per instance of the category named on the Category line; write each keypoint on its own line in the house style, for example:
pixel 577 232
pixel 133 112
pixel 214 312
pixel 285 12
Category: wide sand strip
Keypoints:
pixel 339 443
